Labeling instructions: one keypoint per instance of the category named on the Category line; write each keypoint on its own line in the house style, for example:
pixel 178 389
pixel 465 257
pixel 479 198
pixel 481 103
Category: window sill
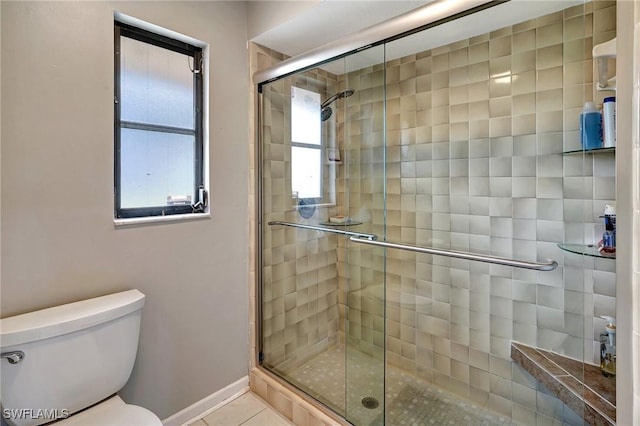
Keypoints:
pixel 119 223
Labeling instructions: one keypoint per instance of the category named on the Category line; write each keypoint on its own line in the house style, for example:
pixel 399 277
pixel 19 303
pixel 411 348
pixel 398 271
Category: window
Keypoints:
pixel 306 145
pixel 158 125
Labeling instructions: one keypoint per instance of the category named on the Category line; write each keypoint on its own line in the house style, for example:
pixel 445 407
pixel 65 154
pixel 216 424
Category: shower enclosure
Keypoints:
pixel 420 204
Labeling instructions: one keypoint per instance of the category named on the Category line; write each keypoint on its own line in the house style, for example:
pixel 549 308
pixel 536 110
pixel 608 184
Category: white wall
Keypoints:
pixel 263 15
pixel 58 240
pixel 627 295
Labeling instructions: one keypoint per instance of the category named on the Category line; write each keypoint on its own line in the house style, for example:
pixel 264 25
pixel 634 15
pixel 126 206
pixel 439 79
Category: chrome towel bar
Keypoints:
pixel 360 235
pixel 372 239
pixel 549 266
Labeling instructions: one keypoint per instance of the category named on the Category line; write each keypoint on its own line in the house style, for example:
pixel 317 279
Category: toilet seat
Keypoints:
pixel 112 412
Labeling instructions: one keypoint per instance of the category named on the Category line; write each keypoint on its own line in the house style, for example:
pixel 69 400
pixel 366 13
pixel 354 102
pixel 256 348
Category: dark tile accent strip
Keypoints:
pixel 579 385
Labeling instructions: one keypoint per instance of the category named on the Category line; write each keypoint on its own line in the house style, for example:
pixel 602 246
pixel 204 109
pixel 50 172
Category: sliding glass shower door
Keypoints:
pixel 323 181
pixel 424 204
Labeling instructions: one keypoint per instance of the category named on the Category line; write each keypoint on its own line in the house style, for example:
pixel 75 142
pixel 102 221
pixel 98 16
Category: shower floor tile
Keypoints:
pixel 410 400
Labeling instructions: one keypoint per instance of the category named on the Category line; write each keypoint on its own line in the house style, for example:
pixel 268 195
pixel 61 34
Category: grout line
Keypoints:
pixel 224 404
pixel 555 364
pixel 600 396
pixel 253 416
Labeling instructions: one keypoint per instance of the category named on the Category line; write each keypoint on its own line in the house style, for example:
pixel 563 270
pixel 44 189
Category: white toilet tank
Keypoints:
pixel 74 356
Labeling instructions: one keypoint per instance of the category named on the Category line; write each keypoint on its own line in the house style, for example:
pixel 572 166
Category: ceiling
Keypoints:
pixel 317 23
pixel 314 24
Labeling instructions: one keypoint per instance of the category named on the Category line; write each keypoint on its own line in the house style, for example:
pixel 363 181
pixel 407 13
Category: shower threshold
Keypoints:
pixel 409 399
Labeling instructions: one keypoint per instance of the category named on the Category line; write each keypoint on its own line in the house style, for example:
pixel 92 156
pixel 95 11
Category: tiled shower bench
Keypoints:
pixel 579 385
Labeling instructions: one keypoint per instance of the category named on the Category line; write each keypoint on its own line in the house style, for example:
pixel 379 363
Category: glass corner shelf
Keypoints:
pixel 586 250
pixel 590 151
pixel 348 222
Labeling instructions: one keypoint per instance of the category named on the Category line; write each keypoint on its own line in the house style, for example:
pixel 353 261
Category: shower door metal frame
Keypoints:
pixel 430 15
pixel 258 223
pixel 427 16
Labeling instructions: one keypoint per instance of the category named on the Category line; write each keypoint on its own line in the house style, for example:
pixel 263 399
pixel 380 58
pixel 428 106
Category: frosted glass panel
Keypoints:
pixel 305 116
pixel 156 85
pixel 306 174
pixel 154 166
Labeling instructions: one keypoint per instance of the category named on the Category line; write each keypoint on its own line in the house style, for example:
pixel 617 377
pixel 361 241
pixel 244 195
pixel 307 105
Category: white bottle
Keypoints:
pixel 608 348
pixel 609 122
pixel 611 329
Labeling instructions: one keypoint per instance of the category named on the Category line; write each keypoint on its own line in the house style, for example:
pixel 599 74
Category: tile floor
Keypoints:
pixel 245 410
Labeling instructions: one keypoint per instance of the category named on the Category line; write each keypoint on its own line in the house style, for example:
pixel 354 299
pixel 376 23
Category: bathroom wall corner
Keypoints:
pixel 627 358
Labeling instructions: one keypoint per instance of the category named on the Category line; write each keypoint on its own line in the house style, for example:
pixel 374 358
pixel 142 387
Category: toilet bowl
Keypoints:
pixel 66 363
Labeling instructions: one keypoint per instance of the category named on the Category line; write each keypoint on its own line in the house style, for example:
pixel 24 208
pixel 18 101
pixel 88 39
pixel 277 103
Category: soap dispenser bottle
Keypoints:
pixel 608 348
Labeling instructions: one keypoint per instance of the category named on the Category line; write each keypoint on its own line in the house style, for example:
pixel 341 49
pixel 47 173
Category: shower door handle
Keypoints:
pixel 548 266
pixel 361 235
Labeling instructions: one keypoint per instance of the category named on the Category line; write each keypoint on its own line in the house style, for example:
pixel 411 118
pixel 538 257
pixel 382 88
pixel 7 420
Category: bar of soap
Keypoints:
pixel 338 219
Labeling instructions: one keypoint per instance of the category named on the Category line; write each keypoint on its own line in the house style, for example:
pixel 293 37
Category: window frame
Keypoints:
pixel 122 29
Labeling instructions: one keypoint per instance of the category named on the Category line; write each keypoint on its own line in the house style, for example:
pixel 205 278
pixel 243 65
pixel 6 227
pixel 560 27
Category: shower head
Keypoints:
pixel 326 111
pixel 339 95
pixel 325 114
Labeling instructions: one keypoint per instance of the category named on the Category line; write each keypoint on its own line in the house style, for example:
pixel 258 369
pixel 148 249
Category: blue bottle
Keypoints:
pixel 609 236
pixel 590 126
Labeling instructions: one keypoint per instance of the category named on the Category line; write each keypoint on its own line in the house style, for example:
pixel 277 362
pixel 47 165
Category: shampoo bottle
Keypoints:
pixel 590 126
pixel 608 348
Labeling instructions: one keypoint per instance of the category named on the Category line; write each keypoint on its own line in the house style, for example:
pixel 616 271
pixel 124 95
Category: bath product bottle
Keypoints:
pixel 609 236
pixel 608 348
pixel 609 122
pixel 590 126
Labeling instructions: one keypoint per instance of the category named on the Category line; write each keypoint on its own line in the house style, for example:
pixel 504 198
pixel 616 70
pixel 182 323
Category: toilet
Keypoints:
pixel 67 363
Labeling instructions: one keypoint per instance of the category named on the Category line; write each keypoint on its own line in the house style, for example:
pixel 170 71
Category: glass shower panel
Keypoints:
pixel 300 311
pixel 477 126
pixel 322 159
pixel 362 269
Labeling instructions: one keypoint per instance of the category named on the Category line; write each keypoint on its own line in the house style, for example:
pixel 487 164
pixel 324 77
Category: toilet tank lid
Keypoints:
pixel 63 319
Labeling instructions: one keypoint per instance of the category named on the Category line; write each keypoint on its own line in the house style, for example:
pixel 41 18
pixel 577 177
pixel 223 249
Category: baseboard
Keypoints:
pixel 208 404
